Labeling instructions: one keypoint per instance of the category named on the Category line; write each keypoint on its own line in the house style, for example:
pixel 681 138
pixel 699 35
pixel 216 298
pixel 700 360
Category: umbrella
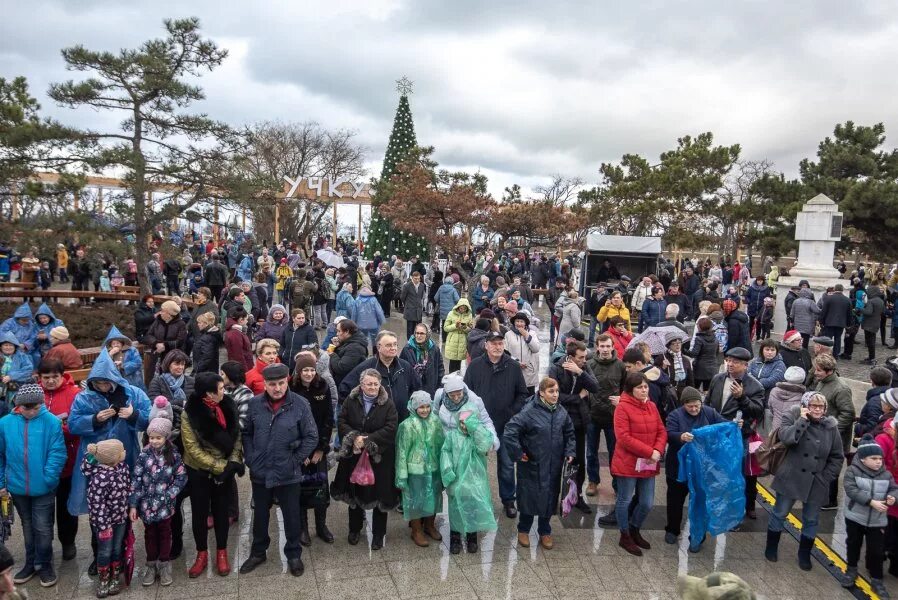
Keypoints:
pixel 330 258
pixel 6 518
pixel 657 338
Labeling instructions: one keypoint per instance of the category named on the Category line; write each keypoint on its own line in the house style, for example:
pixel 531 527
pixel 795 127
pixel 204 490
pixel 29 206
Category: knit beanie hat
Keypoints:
pixel 108 452
pixel 868 447
pixel 511 308
pixel 806 398
pixel 30 393
pixel 159 426
pixel 890 397
pixel 305 360
pixel 453 383
pixel 418 399
pixel 171 308
pixel 791 336
pixel 728 307
pixel 59 333
pixel 161 409
pixel 795 375
pixel 690 394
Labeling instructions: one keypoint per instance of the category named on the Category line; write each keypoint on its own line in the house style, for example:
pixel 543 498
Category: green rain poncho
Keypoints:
pixel 463 467
pixel 418 445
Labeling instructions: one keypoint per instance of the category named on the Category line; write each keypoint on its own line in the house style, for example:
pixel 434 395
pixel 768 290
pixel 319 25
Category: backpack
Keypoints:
pixel 298 296
pixel 772 453
pixel 722 335
pixel 324 289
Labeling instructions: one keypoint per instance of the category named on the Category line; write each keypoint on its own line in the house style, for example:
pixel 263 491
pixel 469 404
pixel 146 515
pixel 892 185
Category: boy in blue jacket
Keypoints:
pixel 32 455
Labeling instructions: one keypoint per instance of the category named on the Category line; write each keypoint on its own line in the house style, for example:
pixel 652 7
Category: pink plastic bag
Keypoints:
pixel 362 474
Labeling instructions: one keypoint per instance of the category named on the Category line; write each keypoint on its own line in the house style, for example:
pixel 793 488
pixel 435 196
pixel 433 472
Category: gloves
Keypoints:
pixel 231 469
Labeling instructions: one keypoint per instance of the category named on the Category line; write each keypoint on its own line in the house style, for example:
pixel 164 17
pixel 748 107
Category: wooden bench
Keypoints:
pixel 18 285
pixel 127 289
pixel 79 375
pixel 5 293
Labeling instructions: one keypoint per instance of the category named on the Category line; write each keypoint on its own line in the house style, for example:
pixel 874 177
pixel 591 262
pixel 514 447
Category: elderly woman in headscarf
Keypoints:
pixel 167 332
pixel 425 358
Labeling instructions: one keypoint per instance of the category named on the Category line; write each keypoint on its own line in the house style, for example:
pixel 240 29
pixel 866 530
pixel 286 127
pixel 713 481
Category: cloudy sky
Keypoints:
pixel 516 89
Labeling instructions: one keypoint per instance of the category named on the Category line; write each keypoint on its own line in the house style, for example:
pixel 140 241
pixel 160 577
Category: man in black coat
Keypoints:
pixel 350 348
pixel 835 315
pixel 279 435
pixel 398 376
pixel 216 276
pixel 499 381
pixel 575 383
pixel 733 392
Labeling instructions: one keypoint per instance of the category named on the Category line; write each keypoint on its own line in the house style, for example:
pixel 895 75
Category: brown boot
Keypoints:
pixel 639 540
pixel 430 528
pixel 627 543
pixel 523 540
pixel 546 542
pixel 591 489
pixel 418 533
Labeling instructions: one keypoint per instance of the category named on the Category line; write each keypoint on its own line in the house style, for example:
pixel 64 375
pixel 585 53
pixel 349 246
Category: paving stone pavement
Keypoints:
pixel 585 563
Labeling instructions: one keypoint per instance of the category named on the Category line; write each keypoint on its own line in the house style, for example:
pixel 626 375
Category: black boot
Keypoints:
pixel 304 538
pixel 321 529
pixel 471 541
pixel 805 544
pixel 893 565
pixel 454 542
pixel 773 543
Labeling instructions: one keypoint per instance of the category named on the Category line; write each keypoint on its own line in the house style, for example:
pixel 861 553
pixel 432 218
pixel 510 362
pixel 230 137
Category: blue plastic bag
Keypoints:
pixel 712 466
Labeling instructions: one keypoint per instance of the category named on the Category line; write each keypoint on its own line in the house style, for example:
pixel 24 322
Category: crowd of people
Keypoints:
pixel 317 400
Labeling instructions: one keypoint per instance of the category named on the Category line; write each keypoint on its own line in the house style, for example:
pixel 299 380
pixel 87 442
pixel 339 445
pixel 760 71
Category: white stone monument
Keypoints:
pixel 817 228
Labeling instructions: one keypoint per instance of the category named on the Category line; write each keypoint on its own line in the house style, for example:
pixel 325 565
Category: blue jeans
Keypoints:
pixel 543 527
pixel 626 487
pixel 810 516
pixel 593 438
pixel 110 550
pixel 37 515
pixel 505 475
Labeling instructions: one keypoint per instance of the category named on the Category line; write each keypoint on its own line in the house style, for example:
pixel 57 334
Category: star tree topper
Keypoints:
pixel 404 86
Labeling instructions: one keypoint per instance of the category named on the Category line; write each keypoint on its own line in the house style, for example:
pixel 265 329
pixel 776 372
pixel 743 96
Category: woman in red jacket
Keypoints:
pixel 59 392
pixel 619 335
pixel 266 354
pixel 641 438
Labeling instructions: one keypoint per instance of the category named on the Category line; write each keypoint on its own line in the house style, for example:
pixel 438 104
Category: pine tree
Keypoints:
pixel 382 235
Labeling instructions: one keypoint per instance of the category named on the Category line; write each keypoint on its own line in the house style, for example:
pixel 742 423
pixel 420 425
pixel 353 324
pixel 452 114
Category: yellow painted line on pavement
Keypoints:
pixel 828 552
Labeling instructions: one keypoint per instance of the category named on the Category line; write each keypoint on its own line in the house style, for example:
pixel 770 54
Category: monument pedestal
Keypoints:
pixel 817 228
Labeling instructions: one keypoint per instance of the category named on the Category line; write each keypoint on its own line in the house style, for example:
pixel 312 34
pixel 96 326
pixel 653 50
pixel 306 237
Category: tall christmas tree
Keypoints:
pixel 382 235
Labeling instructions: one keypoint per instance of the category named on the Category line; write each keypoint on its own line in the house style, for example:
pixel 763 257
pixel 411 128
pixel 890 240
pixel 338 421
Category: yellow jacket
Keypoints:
pixel 203 457
pixel 608 311
pixel 283 273
pixel 62 258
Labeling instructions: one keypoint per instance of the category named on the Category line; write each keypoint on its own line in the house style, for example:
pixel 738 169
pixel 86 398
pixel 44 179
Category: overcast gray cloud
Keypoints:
pixel 517 89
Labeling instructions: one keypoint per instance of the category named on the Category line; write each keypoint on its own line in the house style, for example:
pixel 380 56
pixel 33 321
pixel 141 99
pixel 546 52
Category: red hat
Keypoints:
pixel 728 306
pixel 791 335
pixel 283 261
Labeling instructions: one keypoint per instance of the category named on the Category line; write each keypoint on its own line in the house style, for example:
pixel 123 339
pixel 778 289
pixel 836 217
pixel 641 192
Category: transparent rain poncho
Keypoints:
pixel 418 445
pixel 464 473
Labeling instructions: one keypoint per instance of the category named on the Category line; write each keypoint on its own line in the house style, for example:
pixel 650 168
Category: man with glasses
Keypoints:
pixel 32 454
pixel 59 393
pixel 398 376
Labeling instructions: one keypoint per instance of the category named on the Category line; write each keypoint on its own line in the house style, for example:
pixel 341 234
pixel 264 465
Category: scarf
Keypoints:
pixel 452 406
pixel 368 402
pixel 216 412
pixel 679 369
pixel 551 407
pixel 177 387
pixel 422 355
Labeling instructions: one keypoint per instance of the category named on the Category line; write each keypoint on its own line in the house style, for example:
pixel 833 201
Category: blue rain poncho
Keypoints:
pixel 712 466
pixel 464 473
